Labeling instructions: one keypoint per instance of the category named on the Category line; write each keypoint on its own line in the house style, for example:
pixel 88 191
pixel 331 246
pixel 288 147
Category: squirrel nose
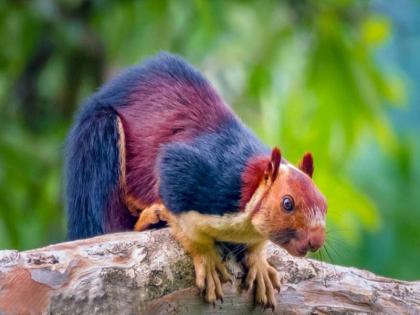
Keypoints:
pixel 316 239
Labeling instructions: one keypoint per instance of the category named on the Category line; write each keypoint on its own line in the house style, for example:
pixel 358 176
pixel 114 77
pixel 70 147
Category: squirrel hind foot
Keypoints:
pixel 149 216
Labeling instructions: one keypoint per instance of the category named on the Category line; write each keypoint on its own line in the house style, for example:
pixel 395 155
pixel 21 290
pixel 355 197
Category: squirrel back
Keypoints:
pixel 171 104
pixel 158 131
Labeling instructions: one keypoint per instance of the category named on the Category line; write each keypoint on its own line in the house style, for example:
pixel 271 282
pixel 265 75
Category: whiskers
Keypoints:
pixel 332 249
pixel 231 250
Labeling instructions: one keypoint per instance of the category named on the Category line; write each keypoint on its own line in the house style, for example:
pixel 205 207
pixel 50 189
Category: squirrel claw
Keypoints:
pixel 265 279
pixel 245 287
pixel 207 277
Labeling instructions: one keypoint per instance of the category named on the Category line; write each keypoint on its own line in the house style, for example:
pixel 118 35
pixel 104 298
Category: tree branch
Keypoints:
pixel 148 273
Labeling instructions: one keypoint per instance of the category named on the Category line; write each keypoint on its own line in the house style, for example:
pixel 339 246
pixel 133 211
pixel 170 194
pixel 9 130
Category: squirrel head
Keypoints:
pixel 286 206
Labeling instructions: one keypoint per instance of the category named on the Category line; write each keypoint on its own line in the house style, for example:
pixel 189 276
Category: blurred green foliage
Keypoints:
pixel 302 74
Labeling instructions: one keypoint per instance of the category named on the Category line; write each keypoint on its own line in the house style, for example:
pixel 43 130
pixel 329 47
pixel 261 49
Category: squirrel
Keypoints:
pixel 158 143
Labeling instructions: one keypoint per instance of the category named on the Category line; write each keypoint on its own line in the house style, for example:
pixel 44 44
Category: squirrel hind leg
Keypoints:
pixel 134 205
pixel 151 215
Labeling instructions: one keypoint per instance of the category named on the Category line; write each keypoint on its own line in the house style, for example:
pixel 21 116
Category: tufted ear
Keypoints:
pixel 307 164
pixel 272 168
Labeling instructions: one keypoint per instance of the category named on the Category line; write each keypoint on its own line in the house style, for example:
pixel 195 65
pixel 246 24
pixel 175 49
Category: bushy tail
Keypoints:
pixel 92 176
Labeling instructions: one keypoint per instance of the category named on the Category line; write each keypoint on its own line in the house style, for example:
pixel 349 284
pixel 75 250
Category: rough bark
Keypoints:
pixel 148 273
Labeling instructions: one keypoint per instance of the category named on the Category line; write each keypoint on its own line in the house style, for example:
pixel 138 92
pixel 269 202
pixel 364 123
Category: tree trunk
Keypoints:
pixel 148 273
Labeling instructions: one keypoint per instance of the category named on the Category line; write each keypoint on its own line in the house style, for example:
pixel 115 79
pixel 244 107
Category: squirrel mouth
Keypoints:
pixel 294 250
pixel 284 237
pixel 288 239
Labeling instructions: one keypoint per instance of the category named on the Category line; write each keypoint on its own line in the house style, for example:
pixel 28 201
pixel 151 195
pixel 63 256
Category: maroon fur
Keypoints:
pixel 164 110
pixel 307 164
pixel 256 169
pixel 251 178
pixel 115 207
pixel 274 163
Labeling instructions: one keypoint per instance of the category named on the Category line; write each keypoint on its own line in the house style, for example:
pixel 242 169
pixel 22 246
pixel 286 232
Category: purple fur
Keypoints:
pixel 174 104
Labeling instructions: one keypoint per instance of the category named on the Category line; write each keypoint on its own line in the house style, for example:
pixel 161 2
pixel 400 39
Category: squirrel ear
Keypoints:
pixel 307 164
pixel 272 169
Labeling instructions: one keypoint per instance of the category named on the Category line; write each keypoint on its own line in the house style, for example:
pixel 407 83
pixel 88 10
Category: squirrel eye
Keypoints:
pixel 288 204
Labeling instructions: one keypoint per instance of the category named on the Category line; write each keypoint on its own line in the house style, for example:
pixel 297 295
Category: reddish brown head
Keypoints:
pixel 287 207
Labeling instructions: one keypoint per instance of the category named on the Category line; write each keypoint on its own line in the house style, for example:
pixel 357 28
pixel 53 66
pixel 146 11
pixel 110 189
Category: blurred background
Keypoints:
pixel 339 78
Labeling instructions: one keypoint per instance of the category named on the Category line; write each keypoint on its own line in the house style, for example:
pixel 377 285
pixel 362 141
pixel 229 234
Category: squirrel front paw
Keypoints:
pixel 264 279
pixel 207 270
